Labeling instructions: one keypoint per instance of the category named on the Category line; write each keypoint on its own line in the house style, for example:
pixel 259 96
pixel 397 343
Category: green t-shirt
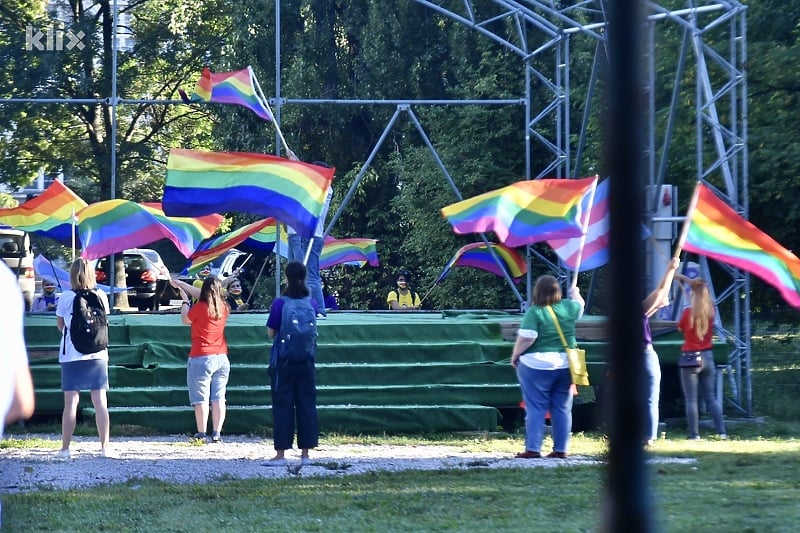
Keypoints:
pixel 538 319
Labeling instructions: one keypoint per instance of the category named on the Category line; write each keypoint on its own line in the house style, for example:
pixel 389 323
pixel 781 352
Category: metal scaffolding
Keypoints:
pixel 713 49
pixel 714 36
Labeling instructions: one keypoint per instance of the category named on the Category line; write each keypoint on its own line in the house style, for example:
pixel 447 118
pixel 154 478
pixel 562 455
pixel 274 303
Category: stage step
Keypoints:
pixel 390 419
pixel 508 394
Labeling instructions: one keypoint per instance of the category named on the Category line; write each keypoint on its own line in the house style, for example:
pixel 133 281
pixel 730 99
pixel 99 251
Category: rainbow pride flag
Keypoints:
pixel 263 241
pixel 237 87
pixel 216 246
pixel 200 183
pixel 115 225
pixel 719 232
pixel 477 255
pixel 525 212
pixel 49 214
pixel 338 251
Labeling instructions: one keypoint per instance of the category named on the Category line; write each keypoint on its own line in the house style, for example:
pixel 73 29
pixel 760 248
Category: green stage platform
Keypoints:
pixel 377 372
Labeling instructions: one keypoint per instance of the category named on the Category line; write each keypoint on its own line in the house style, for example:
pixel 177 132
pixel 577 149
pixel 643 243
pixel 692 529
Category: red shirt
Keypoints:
pixel 208 334
pixel 691 342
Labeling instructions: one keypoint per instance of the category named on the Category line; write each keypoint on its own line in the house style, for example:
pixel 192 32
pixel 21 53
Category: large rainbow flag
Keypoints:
pixel 199 183
pixel 477 255
pixel 525 212
pixel 49 214
pixel 338 251
pixel 112 226
pixel 719 232
pixel 236 87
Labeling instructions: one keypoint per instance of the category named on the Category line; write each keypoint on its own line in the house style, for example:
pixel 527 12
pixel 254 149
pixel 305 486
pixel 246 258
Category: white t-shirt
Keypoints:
pixel 13 354
pixel 64 310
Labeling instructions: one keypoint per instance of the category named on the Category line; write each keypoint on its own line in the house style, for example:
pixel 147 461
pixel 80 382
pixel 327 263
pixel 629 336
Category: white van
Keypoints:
pixel 16 251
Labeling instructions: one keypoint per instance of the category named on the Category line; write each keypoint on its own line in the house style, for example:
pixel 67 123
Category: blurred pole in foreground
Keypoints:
pixel 627 505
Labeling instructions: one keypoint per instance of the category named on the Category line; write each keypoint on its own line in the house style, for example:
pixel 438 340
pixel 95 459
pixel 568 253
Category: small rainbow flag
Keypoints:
pixel 719 232
pixel 477 255
pixel 199 183
pixel 49 214
pixel 236 87
pixel 112 226
pixel 525 212
pixel 215 247
pixel 338 251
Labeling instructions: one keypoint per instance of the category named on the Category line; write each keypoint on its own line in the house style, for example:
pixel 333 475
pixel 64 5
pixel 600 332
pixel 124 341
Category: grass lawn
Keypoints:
pixel 748 483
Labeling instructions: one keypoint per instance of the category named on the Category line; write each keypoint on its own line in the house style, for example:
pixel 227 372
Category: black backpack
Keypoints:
pixel 297 341
pixel 88 328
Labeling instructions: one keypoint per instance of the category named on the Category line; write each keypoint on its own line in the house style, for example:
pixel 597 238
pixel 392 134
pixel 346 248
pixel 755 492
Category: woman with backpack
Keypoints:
pixel 292 326
pixel 81 317
pixel 208 368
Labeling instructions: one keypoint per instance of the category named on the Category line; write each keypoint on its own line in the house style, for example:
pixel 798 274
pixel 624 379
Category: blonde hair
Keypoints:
pixel 81 275
pixel 702 311
pixel 211 293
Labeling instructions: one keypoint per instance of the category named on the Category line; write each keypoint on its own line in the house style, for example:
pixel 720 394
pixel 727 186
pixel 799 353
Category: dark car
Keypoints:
pixel 141 279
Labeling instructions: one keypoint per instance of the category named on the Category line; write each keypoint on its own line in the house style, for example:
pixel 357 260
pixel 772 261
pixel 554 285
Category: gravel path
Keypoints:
pixel 174 459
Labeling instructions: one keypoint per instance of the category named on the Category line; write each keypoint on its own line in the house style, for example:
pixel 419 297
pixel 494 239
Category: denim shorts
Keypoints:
pixel 207 378
pixel 86 374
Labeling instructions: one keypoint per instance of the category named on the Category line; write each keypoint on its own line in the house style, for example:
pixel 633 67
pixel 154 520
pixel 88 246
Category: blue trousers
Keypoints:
pixel 652 369
pixel 542 391
pixel 294 401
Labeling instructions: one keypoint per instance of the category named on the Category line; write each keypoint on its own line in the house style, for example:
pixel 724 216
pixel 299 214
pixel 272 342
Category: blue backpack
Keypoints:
pixel 297 342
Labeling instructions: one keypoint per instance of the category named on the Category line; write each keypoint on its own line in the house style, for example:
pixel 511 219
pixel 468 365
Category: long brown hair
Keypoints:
pixel 211 293
pixel 702 308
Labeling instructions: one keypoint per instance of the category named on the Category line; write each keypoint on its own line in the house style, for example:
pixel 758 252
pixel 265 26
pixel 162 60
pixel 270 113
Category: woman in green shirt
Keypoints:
pixel 542 366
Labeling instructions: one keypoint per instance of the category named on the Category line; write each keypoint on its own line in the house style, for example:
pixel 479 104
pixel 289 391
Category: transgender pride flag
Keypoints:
pixel 595 247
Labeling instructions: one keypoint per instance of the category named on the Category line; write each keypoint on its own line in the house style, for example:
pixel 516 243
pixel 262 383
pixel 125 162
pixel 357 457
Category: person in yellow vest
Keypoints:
pixel 404 298
pixel 233 294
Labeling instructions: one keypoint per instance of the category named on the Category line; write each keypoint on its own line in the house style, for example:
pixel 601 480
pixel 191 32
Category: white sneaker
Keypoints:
pixel 107 453
pixel 63 454
pixel 320 316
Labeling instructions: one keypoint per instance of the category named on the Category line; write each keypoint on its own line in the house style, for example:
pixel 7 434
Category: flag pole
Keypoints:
pixel 583 235
pixel 73 234
pixel 687 221
pixel 428 293
pixel 264 101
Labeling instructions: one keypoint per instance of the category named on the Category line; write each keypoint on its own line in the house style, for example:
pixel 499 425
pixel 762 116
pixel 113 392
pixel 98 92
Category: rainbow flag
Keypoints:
pixel 338 251
pixel 215 247
pixel 200 183
pixel 115 225
pixel 719 232
pixel 263 241
pixel 477 255
pixel 525 212
pixel 49 214
pixel 236 87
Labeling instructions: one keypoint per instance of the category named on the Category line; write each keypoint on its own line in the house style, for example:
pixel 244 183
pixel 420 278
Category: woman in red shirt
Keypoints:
pixel 696 325
pixel 208 367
